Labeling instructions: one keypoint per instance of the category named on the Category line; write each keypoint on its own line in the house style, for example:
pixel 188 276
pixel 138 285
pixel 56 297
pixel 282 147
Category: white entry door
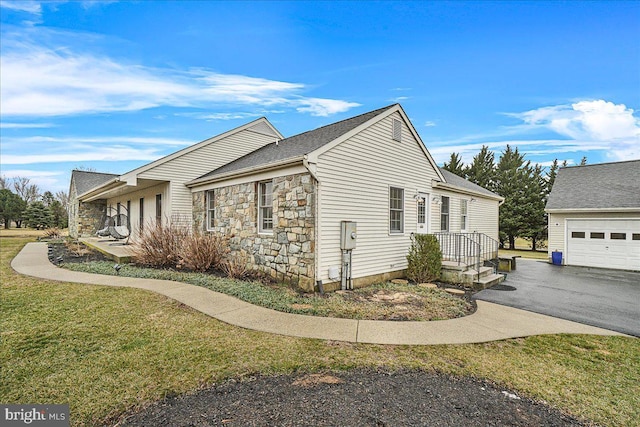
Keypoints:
pixel 423 213
pixel 605 243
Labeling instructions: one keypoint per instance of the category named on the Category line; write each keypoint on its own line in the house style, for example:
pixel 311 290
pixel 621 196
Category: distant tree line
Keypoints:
pixel 524 186
pixel 22 203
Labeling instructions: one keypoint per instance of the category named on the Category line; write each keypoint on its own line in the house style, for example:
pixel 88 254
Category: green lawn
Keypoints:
pixel 109 350
pixel 523 254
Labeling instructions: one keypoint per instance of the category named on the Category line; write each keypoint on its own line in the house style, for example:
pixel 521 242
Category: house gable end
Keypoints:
pixel 397 108
pixel 261 127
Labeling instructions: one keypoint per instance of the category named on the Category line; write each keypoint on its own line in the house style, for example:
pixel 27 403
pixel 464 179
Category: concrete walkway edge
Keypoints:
pixel 491 322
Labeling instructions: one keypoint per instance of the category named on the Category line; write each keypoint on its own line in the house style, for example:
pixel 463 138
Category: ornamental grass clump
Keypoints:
pixel 424 259
pixel 159 245
pixel 201 252
pixel 237 266
pixel 175 245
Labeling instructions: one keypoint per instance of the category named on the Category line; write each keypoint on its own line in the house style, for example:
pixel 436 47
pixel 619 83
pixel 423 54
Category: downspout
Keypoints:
pixel 312 168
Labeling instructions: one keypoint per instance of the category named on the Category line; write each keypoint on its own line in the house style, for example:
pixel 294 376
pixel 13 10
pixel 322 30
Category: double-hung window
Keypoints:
pixel 211 213
pixel 265 207
pixel 444 214
pixel 141 214
pixel 158 209
pixel 463 215
pixel 396 210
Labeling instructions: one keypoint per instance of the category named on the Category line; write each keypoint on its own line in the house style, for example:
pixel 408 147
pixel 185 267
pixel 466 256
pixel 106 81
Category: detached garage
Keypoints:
pixel 594 215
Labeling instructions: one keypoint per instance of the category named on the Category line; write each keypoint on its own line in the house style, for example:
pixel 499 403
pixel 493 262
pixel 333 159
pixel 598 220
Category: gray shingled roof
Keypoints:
pixel 85 181
pixel 295 146
pixel 458 181
pixel 606 185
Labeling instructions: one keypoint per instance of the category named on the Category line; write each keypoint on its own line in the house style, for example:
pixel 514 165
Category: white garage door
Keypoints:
pixel 605 243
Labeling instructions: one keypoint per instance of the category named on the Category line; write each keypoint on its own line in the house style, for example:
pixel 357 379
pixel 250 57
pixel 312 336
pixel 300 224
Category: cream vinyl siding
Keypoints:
pixel 557 225
pixel 149 195
pixel 355 177
pixel 199 162
pixel 482 214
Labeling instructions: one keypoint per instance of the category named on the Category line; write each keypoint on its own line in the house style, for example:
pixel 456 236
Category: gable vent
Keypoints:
pixel 397 130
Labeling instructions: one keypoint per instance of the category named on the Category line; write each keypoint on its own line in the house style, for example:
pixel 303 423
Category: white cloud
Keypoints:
pixel 5 125
pixel 597 122
pixel 43 179
pixel 68 141
pixel 322 107
pixel 27 6
pixel 37 80
pixel 84 154
pixel 220 116
pixel 536 147
pixel 429 123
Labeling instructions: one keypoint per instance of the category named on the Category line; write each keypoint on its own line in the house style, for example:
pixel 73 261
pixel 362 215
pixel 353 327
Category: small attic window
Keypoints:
pixel 397 130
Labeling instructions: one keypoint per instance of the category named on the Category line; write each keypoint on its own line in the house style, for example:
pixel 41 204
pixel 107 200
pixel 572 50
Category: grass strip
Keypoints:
pixel 427 304
pixel 109 350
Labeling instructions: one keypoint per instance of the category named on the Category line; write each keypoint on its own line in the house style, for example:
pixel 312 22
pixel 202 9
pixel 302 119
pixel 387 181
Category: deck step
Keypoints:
pixel 488 281
pixel 473 274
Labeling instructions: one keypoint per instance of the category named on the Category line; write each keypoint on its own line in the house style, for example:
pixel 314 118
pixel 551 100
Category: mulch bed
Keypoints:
pixel 73 253
pixel 355 398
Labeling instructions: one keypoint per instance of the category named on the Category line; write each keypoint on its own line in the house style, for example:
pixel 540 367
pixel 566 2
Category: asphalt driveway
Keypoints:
pixel 608 299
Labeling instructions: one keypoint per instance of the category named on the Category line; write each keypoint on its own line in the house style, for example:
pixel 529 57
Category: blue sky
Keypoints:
pixel 113 85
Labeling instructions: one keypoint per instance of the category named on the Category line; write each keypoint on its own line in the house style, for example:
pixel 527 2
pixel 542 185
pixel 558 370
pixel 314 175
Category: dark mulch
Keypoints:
pixel 353 398
pixel 66 252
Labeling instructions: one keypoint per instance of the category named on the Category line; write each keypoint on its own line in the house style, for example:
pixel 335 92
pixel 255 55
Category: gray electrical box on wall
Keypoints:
pixel 348 235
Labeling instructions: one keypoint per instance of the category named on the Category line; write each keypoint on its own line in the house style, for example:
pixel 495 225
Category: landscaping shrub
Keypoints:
pixel 52 233
pixel 424 259
pixel 159 245
pixel 200 252
pixel 236 266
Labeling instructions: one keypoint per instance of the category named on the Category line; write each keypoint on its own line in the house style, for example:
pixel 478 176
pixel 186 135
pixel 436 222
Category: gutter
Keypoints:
pixel 593 210
pixel 92 194
pixel 444 185
pixel 246 171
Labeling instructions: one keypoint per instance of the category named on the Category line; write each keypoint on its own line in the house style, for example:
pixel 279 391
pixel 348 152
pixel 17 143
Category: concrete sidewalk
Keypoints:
pixel 490 322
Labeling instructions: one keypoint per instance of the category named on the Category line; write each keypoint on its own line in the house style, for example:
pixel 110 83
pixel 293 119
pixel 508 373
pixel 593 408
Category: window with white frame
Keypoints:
pixel 396 210
pixel 211 213
pixel 444 213
pixel 265 206
pixel 463 215
pixel 422 210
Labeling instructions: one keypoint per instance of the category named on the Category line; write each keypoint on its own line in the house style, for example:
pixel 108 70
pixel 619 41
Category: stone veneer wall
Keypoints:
pixel 288 252
pixel 89 217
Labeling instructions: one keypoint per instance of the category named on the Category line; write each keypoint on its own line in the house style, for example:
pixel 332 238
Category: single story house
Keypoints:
pixel 283 201
pixel 594 215
pixel 156 192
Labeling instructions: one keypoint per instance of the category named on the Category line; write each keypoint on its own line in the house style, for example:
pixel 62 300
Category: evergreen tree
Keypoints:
pixel 482 170
pixel 11 207
pixel 535 191
pixel 455 165
pixel 583 162
pixel 510 182
pixel 38 216
pixel 551 176
pixel 47 198
pixel 59 214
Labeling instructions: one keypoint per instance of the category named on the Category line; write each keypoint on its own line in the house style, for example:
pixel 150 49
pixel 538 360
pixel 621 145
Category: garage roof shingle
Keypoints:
pixel 599 186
